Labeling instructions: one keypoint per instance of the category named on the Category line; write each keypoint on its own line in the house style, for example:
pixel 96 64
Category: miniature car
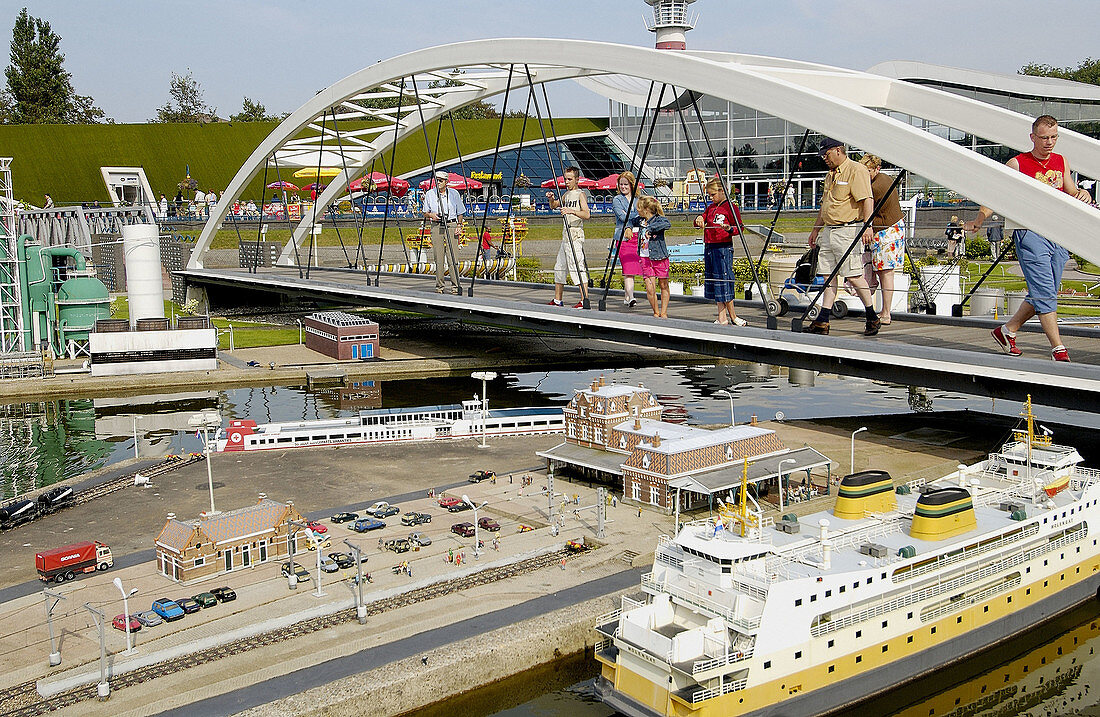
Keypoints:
pixel 120 623
pixel 458 507
pixel 448 500
pixel 415 518
pixel 224 594
pixel 205 599
pixel 329 565
pixel 382 509
pixel 478 476
pixel 343 560
pixel 188 605
pixel 420 539
pixel 524 528
pixel 323 541
pixel 399 545
pixel 167 609
pixel 301 573
pixel 148 618
pixel 488 524
pixel 364 524
pixel 316 527
pixel 344 517
pixel 466 530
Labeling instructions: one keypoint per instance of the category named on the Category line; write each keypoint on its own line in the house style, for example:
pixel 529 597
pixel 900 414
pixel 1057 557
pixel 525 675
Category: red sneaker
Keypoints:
pixel 578 305
pixel 1008 343
pixel 1059 353
pixel 553 302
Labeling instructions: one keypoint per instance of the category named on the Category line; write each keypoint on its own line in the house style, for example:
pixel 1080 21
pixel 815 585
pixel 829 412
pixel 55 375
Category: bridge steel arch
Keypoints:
pixel 834 101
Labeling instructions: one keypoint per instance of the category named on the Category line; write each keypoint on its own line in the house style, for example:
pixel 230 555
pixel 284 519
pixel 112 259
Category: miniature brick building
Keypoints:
pixel 341 335
pixel 191 549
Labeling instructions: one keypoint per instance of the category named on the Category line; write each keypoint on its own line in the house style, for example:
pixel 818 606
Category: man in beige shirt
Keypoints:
pixel 846 205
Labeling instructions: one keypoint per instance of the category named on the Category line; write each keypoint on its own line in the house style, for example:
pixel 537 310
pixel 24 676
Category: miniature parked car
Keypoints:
pixel 488 524
pixel 466 530
pixel 323 541
pixel 188 605
pixel 224 594
pixel 342 560
pixel 205 599
pixel 478 476
pixel 458 507
pixel 415 518
pixel 382 509
pixel 344 517
pixel 148 618
pixel 329 565
pixel 399 545
pixel 120 622
pixel 364 524
pixel 420 539
pixel 448 500
pixel 316 527
pixel 301 573
pixel 167 609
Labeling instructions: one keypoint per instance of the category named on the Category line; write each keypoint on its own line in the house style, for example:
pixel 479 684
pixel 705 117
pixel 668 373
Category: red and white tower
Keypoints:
pixel 671 23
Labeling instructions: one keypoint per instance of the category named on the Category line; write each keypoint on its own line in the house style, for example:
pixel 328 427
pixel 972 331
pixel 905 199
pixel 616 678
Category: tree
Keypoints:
pixel 254 112
pixel 1087 71
pixel 186 103
pixel 39 89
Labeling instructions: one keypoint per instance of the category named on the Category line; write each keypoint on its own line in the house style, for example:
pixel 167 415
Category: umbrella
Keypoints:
pixel 559 182
pixel 282 185
pixel 455 181
pixel 314 173
pixel 377 180
pixel 314 187
pixel 611 182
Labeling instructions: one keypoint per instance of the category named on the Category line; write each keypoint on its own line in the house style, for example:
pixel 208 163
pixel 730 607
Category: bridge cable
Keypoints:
pixel 317 178
pixel 492 173
pixel 779 205
pixel 733 210
pixel 286 213
pixel 637 177
pixel 466 181
pixel 1001 255
pixel 332 207
pixel 796 324
pixel 361 218
pixel 449 249
pixel 389 194
pixel 254 268
pixel 613 248
pixel 509 225
pixel 567 233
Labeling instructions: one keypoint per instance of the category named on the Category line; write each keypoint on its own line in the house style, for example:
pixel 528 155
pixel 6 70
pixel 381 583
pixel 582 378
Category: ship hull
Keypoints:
pixel 850 692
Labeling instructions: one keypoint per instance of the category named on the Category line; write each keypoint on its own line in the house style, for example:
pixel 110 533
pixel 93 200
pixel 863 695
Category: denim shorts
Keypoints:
pixel 1042 262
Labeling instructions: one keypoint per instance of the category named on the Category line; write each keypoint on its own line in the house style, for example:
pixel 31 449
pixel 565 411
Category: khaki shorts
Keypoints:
pixel 833 242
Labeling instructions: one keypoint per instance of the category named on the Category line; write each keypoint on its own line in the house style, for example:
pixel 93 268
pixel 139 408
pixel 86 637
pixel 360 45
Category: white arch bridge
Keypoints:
pixel 353 123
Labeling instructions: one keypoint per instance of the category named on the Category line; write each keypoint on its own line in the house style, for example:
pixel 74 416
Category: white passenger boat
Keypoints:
pixel 746 616
pixel 393 425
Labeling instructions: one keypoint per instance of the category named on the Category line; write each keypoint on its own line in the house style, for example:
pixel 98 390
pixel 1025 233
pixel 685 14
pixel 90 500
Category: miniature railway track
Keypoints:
pixel 23 700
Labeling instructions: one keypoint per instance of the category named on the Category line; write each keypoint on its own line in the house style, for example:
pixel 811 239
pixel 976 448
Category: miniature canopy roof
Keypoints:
pixel 729 477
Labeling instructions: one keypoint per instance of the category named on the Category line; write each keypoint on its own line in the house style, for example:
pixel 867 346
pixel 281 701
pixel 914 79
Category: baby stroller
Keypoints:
pixel 800 286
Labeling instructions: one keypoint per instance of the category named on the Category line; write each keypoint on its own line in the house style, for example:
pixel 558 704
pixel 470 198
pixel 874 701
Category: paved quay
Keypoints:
pixel 445 629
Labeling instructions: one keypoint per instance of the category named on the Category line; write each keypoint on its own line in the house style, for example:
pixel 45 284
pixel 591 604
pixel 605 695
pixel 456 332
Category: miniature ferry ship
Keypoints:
pixel 746 616
pixel 393 425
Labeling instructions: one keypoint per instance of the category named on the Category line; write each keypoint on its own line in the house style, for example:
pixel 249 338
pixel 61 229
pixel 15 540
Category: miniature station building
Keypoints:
pixel 188 550
pixel 341 335
pixel 613 433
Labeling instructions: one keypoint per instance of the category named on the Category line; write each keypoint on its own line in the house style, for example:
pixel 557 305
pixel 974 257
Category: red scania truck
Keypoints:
pixel 65 563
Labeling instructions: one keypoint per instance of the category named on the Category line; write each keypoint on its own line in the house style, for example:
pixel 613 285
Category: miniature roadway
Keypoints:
pixel 933 351
pixel 414 622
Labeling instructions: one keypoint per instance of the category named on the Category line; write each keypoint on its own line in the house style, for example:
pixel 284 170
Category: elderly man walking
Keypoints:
pixel 1041 260
pixel 444 210
pixel 846 205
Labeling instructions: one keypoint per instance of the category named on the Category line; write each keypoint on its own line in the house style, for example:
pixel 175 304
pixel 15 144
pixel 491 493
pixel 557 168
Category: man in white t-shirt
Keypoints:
pixel 444 210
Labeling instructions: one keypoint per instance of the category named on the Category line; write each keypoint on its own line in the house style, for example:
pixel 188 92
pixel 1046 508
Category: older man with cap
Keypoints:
pixel 444 210
pixel 846 205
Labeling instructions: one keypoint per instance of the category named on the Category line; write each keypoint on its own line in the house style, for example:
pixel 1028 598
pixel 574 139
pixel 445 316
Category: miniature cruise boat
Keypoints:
pixel 747 616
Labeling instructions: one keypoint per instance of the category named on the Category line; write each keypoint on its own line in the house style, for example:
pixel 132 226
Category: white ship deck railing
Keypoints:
pixel 880 527
pixel 941 588
pixel 729 658
pixel 967 602
pixel 705 604
pixel 1082 478
pixel 967 553
pixel 727 687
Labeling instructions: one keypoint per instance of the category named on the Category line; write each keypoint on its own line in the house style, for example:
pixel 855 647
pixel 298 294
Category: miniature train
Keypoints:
pixel 25 510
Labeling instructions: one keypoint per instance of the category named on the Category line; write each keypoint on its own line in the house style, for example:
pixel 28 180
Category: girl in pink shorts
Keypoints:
pixel 653 253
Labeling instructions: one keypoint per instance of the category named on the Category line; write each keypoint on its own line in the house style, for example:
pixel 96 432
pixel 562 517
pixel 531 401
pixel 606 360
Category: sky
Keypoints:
pixel 280 52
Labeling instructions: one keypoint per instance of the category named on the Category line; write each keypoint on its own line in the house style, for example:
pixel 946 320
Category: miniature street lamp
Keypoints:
pixel 485 377
pixel 204 421
pixel 780 476
pixel 126 613
pixel 477 528
pixel 103 689
pixel 360 607
pixel 55 651
pixel 727 394
pixel 852 453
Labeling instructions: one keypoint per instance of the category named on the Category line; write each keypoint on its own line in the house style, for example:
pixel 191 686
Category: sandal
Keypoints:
pixel 738 321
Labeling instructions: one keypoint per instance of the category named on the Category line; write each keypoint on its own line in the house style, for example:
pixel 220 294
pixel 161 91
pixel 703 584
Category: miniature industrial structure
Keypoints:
pixel 341 335
pixel 210 545
pixel 614 433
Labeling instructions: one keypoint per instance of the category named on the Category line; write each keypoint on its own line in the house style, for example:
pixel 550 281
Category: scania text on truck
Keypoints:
pixel 67 562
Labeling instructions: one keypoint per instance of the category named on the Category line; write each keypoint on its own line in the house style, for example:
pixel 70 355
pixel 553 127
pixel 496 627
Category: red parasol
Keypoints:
pixel 611 182
pixel 559 182
pixel 378 181
pixel 314 187
pixel 283 185
pixel 455 181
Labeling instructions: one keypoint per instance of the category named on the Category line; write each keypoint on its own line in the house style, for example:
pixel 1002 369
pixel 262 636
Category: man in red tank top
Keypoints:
pixel 1041 260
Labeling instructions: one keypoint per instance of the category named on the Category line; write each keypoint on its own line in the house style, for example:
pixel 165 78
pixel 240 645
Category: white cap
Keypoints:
pixel 442 175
